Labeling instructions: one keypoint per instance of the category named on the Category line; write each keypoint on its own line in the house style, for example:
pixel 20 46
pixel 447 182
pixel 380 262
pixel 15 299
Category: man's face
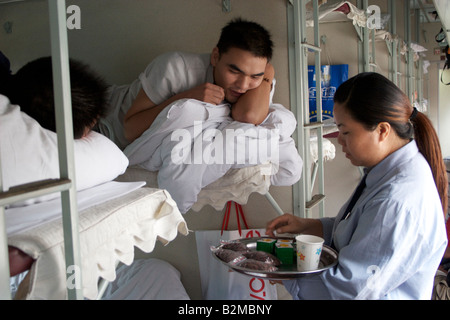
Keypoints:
pixel 237 71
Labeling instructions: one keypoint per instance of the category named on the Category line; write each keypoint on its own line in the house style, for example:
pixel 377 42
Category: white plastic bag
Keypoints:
pixel 218 281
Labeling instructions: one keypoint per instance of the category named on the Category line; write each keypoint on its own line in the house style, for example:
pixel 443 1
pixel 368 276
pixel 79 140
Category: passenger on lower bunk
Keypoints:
pixel 29 153
pixel 31 88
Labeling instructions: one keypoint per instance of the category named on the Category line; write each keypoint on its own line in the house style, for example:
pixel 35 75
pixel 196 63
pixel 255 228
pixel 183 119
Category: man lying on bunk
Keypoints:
pixel 32 89
pixel 237 71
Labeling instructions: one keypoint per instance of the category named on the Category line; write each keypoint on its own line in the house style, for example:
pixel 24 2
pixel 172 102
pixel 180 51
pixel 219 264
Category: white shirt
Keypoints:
pixel 392 243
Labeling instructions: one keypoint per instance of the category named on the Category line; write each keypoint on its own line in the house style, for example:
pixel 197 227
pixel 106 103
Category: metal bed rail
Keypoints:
pixel 299 48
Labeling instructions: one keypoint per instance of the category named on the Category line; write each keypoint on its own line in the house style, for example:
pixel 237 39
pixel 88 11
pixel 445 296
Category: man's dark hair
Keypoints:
pixel 32 89
pixel 246 35
pixel 5 74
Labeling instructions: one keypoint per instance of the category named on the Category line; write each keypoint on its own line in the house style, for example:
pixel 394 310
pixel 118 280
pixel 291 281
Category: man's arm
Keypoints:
pixel 144 111
pixel 253 106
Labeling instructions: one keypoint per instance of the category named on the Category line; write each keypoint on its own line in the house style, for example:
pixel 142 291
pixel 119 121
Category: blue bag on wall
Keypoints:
pixel 332 77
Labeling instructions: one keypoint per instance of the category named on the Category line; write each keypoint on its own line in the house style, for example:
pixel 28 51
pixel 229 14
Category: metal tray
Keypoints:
pixel 328 259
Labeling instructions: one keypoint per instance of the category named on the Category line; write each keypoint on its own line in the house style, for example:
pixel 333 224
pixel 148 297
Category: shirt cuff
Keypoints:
pixel 327 225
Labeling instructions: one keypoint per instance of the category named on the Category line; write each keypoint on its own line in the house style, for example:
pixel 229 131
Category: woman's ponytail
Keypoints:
pixel 429 145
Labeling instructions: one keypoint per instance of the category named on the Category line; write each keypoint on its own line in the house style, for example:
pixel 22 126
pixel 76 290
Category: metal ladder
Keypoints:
pixel 413 72
pixel 66 183
pixel 304 200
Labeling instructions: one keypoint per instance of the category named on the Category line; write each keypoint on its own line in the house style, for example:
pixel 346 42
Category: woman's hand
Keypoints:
pixel 289 223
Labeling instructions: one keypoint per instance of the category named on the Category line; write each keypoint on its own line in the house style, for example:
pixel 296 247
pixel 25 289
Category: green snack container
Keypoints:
pixel 266 245
pixel 284 252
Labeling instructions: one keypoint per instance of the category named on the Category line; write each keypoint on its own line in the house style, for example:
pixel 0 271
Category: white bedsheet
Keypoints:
pixel 149 279
pixel 109 232
pixel 20 219
pixel 208 128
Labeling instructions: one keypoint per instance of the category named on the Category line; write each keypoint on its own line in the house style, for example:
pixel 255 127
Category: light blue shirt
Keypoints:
pixel 391 244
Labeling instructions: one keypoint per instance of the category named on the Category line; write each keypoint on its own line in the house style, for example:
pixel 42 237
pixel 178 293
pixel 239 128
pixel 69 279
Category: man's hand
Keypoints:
pixel 289 223
pixel 207 92
pixel 144 111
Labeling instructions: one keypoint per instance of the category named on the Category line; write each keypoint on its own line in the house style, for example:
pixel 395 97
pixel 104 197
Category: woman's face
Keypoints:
pixel 361 146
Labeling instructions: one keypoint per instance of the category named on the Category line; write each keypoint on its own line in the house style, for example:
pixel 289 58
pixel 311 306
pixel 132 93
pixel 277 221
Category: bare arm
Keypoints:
pixel 253 106
pixel 18 261
pixel 144 111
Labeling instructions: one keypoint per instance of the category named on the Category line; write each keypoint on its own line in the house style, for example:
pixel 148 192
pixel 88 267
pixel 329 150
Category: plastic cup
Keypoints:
pixel 309 249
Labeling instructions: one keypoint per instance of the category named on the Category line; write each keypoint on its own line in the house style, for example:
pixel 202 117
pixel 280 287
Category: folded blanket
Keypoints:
pixel 192 144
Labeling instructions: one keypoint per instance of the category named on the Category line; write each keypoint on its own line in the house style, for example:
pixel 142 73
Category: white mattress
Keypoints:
pixel 109 231
pixel 20 219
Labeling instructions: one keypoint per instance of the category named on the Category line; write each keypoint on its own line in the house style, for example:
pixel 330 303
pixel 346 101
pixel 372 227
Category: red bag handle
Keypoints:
pixel 239 213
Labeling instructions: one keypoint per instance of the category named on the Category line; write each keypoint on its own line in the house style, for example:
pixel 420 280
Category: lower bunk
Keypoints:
pixel 114 219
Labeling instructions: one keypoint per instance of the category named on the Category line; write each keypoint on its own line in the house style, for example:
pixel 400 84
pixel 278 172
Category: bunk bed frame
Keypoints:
pixel 299 48
pixel 298 81
pixel 58 249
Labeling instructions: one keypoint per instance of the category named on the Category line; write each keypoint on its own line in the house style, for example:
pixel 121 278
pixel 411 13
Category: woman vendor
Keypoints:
pixel 391 242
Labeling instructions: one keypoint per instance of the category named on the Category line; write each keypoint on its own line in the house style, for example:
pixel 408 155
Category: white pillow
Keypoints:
pixel 29 153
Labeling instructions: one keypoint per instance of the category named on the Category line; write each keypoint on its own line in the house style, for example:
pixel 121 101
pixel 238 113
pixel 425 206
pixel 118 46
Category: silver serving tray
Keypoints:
pixel 328 259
